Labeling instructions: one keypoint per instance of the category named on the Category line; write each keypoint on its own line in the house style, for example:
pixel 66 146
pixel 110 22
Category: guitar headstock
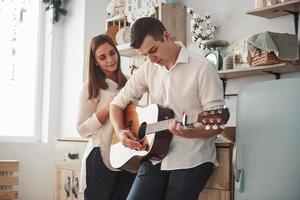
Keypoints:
pixel 214 119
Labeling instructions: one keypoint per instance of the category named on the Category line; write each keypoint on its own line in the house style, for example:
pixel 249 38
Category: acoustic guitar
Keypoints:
pixel 150 125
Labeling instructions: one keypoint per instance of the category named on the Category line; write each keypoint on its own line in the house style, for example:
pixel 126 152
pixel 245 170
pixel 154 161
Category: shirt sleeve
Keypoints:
pixel 87 121
pixel 135 87
pixel 210 88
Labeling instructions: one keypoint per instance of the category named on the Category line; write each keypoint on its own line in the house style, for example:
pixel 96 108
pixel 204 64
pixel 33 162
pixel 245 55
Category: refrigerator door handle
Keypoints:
pixel 237 173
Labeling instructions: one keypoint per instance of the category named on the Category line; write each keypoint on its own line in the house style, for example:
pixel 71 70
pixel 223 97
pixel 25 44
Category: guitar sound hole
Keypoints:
pixel 146 147
pixel 142 131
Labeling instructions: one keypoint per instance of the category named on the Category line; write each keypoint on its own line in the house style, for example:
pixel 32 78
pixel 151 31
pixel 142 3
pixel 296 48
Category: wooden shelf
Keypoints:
pixel 269 12
pixel 277 10
pixel 72 139
pixel 258 70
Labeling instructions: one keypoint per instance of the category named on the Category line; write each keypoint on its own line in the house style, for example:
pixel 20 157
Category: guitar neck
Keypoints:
pixel 211 117
pixel 158 126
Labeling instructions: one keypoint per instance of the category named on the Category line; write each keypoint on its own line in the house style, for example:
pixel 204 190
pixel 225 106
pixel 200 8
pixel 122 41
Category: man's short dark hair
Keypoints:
pixel 143 27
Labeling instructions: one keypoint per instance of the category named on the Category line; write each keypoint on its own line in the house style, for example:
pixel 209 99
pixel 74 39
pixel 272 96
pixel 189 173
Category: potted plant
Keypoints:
pixel 56 5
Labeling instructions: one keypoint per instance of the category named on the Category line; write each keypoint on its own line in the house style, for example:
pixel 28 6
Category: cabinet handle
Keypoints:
pixel 67 187
pixel 236 171
pixel 73 156
pixel 132 68
pixel 75 188
pixel 238 174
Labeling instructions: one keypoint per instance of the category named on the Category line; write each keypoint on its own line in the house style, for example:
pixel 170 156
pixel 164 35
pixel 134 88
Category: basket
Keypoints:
pixel 262 57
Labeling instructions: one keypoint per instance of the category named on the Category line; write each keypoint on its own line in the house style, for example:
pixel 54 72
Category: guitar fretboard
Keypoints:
pixel 158 126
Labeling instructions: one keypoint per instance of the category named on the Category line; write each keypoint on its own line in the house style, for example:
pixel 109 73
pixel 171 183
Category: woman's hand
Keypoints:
pixel 103 114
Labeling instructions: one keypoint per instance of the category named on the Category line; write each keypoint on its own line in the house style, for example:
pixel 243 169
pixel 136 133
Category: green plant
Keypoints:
pixel 57 10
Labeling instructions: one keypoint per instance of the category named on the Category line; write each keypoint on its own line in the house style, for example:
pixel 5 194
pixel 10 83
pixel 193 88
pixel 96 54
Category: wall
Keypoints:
pixel 234 24
pixel 84 22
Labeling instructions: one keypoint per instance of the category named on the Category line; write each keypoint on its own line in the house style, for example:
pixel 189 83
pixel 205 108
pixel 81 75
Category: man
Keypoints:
pixel 184 84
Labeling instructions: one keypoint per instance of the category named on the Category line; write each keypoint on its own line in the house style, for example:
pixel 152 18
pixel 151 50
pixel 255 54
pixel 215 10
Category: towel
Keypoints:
pixel 284 45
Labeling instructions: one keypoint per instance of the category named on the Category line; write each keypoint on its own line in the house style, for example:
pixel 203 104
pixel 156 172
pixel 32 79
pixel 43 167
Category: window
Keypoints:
pixel 19 80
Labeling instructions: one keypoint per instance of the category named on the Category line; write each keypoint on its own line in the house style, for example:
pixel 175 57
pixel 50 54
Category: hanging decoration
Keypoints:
pixel 14 11
pixel 202 28
pixel 56 5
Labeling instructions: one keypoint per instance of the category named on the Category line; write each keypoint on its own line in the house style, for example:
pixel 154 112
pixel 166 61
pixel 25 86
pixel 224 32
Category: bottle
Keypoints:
pixel 259 4
pixel 228 62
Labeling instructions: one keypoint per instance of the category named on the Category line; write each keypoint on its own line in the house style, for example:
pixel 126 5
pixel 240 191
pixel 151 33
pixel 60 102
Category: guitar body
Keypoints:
pixel 156 145
pixel 150 125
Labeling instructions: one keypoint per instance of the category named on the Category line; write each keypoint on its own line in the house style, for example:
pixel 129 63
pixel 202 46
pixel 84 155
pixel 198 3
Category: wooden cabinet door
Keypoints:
pixel 68 159
pixel 220 184
pixel 64 184
pixel 174 18
pixel 75 186
pixel 221 177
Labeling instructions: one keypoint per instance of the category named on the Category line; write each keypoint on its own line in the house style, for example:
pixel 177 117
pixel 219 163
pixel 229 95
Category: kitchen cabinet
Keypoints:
pixel 220 185
pixel 68 157
pixel 69 154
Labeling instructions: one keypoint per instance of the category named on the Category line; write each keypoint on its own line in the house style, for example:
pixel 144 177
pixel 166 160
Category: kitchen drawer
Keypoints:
pixel 68 154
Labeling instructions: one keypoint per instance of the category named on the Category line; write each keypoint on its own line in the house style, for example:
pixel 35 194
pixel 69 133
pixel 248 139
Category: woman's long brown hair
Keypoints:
pixel 96 77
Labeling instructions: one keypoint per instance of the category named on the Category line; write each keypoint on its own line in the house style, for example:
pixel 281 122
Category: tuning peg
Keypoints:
pixel 212 112
pixel 207 127
pixel 211 120
pixel 215 127
pixel 203 121
pixel 219 120
pixel 222 126
pixel 220 111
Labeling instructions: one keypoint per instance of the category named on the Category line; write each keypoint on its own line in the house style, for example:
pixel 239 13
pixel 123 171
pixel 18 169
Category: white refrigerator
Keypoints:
pixel 266 158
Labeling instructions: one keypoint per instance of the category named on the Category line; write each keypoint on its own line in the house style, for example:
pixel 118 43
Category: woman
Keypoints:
pixel 99 179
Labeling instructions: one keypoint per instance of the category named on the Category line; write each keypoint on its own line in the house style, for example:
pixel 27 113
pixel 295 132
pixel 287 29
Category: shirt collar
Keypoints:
pixel 183 55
